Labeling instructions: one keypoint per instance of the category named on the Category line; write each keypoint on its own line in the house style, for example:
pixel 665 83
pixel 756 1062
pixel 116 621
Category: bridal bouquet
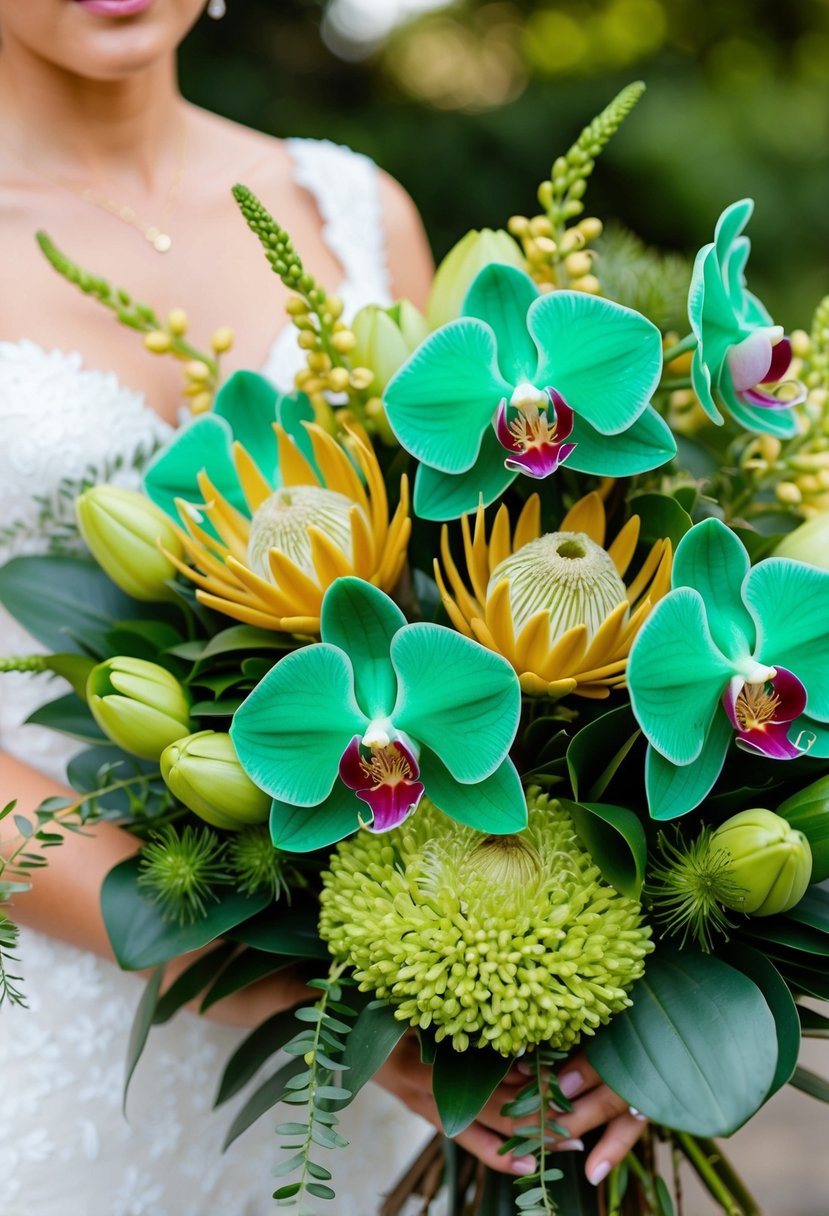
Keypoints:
pixel 486 677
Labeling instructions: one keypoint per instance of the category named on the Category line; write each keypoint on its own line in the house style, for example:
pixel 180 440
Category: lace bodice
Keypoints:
pixel 64 1146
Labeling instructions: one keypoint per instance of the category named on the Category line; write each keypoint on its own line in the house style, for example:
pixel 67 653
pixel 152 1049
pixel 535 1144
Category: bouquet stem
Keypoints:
pixel 717 1175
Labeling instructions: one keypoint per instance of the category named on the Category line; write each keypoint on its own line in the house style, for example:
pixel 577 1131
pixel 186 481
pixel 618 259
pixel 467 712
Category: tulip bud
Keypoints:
pixel 462 265
pixel 140 706
pixel 204 773
pixel 385 337
pixel 807 811
pixel 122 528
pixel 808 543
pixel 770 861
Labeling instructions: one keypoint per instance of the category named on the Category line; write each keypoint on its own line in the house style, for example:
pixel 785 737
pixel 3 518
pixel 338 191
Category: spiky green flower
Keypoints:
pixel 257 865
pixel 690 886
pixel 503 941
pixel 179 871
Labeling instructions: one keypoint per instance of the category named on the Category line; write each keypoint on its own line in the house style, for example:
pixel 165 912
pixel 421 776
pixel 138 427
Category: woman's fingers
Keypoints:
pixel 484 1144
pixel 578 1076
pixel 619 1137
pixel 595 1108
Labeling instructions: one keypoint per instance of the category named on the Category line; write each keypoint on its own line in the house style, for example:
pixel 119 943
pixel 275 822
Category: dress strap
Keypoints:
pixel 345 186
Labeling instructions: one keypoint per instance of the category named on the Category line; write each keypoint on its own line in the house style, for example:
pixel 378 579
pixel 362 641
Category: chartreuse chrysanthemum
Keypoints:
pixel 503 941
pixel 555 605
pixel 521 383
pixel 272 519
pixel 363 723
pixel 730 651
pixel 741 355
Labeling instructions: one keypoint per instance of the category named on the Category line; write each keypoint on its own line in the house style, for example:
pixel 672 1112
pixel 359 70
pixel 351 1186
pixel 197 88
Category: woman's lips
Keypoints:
pixel 114 8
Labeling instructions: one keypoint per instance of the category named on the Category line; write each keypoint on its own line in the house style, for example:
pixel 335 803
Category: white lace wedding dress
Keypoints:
pixel 65 1148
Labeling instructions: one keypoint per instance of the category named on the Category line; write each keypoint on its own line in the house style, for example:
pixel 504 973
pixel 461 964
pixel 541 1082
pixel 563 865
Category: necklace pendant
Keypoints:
pixel 160 241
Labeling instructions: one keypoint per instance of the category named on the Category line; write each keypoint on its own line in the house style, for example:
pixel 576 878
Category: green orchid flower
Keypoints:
pixel 377 714
pixel 731 652
pixel 246 408
pixel 741 355
pixel 521 383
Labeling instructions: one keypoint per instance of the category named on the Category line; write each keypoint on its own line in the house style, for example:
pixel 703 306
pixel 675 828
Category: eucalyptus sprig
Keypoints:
pixel 321 1043
pixel 9 990
pixel 542 1094
pixel 161 337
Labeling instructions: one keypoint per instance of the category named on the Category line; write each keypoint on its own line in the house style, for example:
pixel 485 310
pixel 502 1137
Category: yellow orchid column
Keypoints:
pixel 556 605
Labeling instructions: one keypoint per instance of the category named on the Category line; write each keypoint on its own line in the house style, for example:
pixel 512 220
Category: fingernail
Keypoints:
pixel 524 1165
pixel 576 1146
pixel 525 1069
pixel 570 1083
pixel 599 1172
pixel 637 1114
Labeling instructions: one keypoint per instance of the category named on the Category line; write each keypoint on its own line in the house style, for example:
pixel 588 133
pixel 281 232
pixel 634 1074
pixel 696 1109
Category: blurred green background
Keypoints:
pixel 468 103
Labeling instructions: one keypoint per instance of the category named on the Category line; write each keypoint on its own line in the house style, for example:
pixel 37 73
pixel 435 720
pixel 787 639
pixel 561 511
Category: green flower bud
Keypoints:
pixel 385 337
pixel 808 543
pixel 122 529
pixel 204 773
pixel 807 811
pixel 770 861
pixel 462 265
pixel 138 705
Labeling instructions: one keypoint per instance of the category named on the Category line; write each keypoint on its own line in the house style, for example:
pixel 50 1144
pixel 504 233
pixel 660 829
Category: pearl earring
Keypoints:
pixel 216 9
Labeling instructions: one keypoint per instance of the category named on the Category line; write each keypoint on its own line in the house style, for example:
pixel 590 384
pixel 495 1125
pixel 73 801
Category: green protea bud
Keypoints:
pixel 808 812
pixel 140 706
pixel 566 573
pixel 461 267
pixel 123 530
pixel 203 772
pixel 385 338
pixel 507 943
pixel 808 543
pixel 769 859
pixel 283 520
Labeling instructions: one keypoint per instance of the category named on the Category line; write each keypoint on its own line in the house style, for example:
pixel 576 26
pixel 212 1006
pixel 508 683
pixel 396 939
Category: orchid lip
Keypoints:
pixel 762 712
pixel 386 779
pixel 534 435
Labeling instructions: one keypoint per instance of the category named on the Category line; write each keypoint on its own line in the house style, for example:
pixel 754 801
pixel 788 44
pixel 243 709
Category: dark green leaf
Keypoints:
pixel 661 517
pixel 814 1025
pixel 463 1082
pixel 253 1051
pixel 237 637
pixel 613 735
pixel 262 1100
pixel 810 1083
pixel 784 931
pixel 698 1049
pixel 808 812
pixel 139 935
pixel 615 838
pixel 663 1198
pixel 191 982
pixel 285 930
pixel 371 1041
pixel 245 969
pixel 104 760
pixel 811 981
pixel 70 716
pixel 781 1003
pixel 141 1026
pixel 60 599
pixel 813 910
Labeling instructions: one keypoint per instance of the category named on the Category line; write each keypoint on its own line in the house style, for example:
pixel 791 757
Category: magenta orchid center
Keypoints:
pixel 757 367
pixel 532 428
pixel 762 712
pixel 385 776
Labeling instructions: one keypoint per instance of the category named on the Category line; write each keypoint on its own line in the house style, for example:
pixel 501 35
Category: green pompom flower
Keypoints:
pixel 506 941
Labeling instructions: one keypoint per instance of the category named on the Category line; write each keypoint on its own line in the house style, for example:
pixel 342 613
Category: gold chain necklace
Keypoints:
pixel 155 235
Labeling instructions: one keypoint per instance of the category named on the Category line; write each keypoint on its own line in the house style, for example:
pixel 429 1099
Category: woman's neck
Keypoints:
pixel 68 127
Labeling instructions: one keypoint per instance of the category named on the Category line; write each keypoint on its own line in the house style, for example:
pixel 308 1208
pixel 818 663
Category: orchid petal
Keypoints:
pixel 605 359
pixel 391 805
pixel 730 226
pixel 496 805
pixel 456 697
pixel 293 728
pixel 789 602
pixel 712 560
pixel 701 384
pixel 779 422
pixel 302 829
pixel 540 462
pixel 204 443
pixel 440 403
pixel 645 445
pixel 362 621
pixel 781 360
pixel 501 296
pixel 676 676
pixel 442 496
pixel 674 790
pixel 749 361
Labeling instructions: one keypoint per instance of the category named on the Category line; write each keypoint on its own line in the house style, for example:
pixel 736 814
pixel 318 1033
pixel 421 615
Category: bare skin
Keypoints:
pixel 92 102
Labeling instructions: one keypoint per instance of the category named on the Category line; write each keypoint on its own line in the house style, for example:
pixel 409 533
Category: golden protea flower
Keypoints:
pixel 273 567
pixel 555 605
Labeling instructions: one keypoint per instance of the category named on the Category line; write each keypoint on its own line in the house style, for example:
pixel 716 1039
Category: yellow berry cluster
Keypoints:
pixel 559 261
pixel 328 343
pixel 201 371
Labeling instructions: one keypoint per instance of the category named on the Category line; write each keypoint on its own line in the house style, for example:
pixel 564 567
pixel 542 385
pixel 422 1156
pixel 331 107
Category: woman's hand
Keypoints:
pixel 594 1105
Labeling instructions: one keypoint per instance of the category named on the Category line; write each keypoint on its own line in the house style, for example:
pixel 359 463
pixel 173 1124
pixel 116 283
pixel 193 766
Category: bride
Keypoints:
pixel 98 148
